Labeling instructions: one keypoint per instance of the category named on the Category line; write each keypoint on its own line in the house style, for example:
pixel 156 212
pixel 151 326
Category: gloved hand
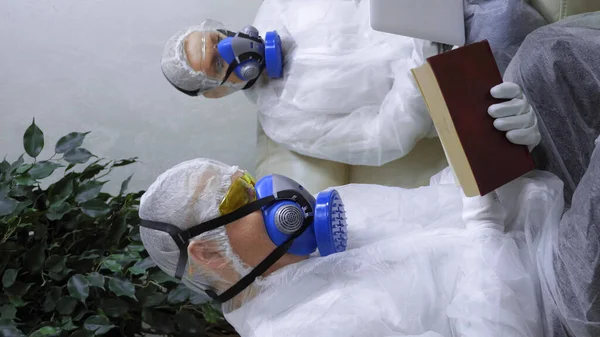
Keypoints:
pixel 515 116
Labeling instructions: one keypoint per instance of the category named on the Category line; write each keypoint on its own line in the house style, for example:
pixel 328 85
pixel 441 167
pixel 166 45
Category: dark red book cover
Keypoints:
pixel 465 76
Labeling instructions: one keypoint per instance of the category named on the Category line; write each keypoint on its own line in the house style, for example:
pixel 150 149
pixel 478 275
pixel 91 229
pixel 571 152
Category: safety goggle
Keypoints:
pixel 241 192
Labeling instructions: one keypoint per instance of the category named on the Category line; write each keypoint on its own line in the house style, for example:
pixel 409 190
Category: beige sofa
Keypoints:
pixel 414 170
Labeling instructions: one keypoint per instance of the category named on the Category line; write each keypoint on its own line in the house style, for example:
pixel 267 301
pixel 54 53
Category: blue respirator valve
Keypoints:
pixel 330 223
pixel 273 55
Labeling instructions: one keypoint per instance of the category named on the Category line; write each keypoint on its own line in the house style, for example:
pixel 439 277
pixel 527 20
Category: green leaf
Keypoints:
pixel 188 324
pixel 7 205
pixel 98 325
pixel 122 287
pixel 136 247
pixel 77 156
pixel 9 247
pixel 160 321
pixel 66 305
pixel 8 312
pixel 92 170
pixel 125 185
pixel 9 277
pixel 70 166
pixel 179 294
pixel 25 180
pixel 95 208
pixel 33 140
pixel 34 259
pixel 4 166
pixel 17 301
pixel 89 191
pixel 56 212
pixel 154 300
pixel 7 329
pixel 82 333
pixel 117 229
pixel 80 313
pixel 211 315
pixel 125 162
pixel 52 298
pixel 43 169
pixel 96 280
pixel 112 265
pixel 61 190
pixel 79 287
pixel 160 277
pixel 67 324
pixel 19 288
pixel 17 163
pixel 61 275
pixel 46 331
pixel 141 266
pixel 55 263
pixel 16 292
pixel 69 142
pixel 22 191
pixel 4 190
pixel 114 307
pixel 23 168
pixel 39 231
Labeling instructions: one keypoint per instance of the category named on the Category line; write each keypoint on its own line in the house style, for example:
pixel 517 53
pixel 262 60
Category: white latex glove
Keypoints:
pixel 483 212
pixel 515 116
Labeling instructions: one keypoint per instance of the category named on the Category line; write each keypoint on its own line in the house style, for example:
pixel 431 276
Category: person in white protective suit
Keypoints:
pixel 326 85
pixel 390 262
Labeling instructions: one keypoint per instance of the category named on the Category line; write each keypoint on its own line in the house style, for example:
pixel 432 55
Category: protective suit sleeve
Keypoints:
pixel 567 109
pixel 569 261
pixel 483 212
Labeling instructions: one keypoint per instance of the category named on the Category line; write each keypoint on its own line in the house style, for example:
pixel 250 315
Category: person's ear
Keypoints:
pixel 206 255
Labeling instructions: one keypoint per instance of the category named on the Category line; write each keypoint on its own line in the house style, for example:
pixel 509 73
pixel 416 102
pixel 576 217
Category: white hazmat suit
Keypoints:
pixel 418 264
pixel 347 92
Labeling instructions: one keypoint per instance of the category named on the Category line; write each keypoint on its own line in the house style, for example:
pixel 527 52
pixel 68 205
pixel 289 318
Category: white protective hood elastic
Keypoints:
pixel 347 92
pixel 415 267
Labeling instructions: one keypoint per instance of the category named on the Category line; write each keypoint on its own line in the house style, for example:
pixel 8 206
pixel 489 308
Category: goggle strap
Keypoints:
pixel 229 33
pixel 261 268
pixel 226 32
pixel 229 218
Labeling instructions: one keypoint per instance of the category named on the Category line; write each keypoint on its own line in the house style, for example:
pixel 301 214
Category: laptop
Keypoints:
pixel 439 21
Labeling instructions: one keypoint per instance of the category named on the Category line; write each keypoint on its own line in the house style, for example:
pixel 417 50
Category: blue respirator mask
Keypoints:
pixel 295 221
pixel 327 229
pixel 248 54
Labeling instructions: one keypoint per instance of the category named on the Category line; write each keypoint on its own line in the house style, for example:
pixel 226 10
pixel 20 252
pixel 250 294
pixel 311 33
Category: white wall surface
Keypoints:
pixel 94 65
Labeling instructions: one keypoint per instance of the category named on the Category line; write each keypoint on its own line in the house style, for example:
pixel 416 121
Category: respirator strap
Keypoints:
pixel 240 59
pixel 261 268
pixel 182 237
